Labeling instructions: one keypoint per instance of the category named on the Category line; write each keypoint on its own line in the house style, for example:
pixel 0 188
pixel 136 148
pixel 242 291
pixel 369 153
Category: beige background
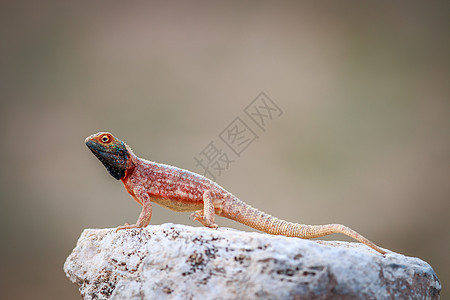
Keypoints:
pixel 364 139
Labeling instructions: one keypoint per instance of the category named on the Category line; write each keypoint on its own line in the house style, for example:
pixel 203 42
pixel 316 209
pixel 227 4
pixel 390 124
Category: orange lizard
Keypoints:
pixel 182 190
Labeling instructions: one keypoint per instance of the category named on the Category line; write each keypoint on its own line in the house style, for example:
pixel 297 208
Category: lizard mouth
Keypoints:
pixel 115 162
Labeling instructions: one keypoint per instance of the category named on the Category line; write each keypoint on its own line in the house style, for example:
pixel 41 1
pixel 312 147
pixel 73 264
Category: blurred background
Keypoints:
pixel 364 138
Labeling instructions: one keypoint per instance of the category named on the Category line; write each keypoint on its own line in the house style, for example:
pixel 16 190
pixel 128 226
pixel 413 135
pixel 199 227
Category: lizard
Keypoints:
pixel 184 191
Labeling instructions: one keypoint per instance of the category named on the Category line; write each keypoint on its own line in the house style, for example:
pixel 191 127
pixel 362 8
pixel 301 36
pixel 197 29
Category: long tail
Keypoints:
pixel 241 212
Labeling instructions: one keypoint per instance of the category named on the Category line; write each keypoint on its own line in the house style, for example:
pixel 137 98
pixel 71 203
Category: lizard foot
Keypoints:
pixel 198 216
pixel 127 226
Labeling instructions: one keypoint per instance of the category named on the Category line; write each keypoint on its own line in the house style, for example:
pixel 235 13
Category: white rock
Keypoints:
pixel 181 262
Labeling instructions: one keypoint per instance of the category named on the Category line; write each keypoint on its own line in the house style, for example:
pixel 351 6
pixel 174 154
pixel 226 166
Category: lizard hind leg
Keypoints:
pixel 206 216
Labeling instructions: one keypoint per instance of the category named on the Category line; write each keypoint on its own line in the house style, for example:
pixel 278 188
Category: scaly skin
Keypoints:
pixel 182 190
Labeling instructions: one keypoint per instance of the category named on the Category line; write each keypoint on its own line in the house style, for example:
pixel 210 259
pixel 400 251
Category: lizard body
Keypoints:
pixel 182 190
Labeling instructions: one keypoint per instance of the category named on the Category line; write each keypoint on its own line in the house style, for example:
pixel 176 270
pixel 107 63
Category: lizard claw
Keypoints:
pixel 196 216
pixel 213 226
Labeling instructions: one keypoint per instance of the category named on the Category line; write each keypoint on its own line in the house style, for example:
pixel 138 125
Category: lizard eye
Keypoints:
pixel 105 139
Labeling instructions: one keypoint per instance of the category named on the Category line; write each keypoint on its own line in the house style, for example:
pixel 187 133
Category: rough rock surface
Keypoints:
pixel 180 262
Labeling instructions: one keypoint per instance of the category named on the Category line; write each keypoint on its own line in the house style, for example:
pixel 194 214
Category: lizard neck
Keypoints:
pixel 132 162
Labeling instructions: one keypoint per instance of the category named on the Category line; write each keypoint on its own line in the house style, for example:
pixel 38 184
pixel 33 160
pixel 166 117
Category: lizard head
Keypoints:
pixel 112 152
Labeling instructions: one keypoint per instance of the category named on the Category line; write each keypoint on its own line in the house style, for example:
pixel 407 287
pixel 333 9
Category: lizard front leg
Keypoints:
pixel 207 214
pixel 146 213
